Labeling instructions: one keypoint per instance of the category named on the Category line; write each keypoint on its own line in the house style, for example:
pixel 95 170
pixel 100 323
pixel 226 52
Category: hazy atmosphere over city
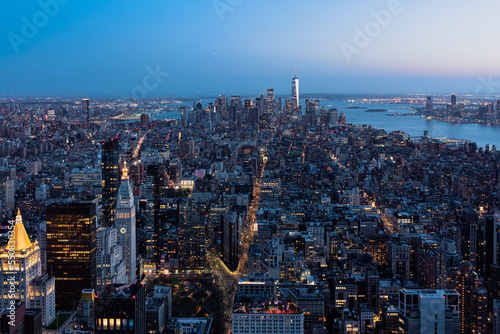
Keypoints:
pixel 249 167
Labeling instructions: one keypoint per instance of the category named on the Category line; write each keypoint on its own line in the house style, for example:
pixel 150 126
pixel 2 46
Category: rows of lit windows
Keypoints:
pixel 115 324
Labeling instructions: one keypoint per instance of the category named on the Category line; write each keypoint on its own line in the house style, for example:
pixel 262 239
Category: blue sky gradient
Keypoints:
pixel 100 48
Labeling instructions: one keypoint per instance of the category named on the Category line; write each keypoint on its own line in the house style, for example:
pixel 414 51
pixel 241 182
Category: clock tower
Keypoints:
pixel 125 223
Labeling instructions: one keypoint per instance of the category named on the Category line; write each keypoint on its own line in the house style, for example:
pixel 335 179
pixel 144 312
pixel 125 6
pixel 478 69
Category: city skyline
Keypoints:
pixel 235 167
pixel 377 47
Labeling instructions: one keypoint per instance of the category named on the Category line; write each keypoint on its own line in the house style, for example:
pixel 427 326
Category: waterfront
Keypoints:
pixel 414 126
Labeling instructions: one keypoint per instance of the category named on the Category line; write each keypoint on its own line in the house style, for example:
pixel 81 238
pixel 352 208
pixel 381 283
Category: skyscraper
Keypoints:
pixel 473 295
pixel 270 101
pixel 121 309
pixel 295 90
pixel 125 224
pixel 312 111
pixel 26 268
pixel 428 104
pixel 71 249
pixel 154 180
pixel 110 265
pixel 429 311
pixel 453 101
pixel 25 272
pixel 230 239
pixel 86 109
pixel 110 179
pixel 491 245
pixel 191 237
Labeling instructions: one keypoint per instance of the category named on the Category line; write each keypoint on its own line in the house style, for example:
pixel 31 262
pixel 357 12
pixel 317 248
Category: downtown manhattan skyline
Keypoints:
pixel 70 48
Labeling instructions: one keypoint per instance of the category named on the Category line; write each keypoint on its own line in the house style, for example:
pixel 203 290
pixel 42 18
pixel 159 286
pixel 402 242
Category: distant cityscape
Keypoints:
pixel 258 214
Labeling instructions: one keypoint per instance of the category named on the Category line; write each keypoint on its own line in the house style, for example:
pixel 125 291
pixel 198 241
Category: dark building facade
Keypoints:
pixel 110 179
pixel 230 240
pixel 121 309
pixel 71 249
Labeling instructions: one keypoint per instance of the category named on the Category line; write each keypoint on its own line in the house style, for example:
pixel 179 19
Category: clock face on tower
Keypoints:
pixel 123 230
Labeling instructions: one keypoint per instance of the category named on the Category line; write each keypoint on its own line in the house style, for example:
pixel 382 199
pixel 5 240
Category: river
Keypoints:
pixel 413 125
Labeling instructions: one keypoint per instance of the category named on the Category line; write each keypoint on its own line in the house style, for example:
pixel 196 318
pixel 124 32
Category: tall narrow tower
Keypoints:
pixel 110 179
pixel 270 101
pixel 125 224
pixel 86 109
pixel 295 89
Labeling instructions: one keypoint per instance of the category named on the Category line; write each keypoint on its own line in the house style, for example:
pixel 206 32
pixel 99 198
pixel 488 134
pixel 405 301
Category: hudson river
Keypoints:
pixel 413 125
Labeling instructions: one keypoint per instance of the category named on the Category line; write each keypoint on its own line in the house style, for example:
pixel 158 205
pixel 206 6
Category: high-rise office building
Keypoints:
pixel 125 224
pixel 453 101
pixel 145 120
pixel 86 109
pixel 473 298
pixel 295 91
pixel 33 288
pixel 71 249
pixel 230 240
pixel 110 266
pixel 110 179
pixel 191 232
pixel 26 268
pixel 154 180
pixel 429 311
pixel 7 191
pixel 428 104
pixel 495 321
pixel 333 116
pixel 121 309
pixel 42 295
pixel 184 116
pixel 254 117
pixel 270 101
pixel 312 111
pixel 491 245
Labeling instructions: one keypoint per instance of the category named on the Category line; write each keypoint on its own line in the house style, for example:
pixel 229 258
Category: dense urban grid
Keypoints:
pixel 244 215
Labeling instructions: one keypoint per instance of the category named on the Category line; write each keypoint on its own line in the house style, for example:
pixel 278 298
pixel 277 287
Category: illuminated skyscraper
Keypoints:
pixel 110 179
pixel 473 298
pixel 71 249
pixel 26 267
pixel 125 224
pixel 270 101
pixel 453 101
pixel 295 90
pixel 26 273
pixel 191 237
